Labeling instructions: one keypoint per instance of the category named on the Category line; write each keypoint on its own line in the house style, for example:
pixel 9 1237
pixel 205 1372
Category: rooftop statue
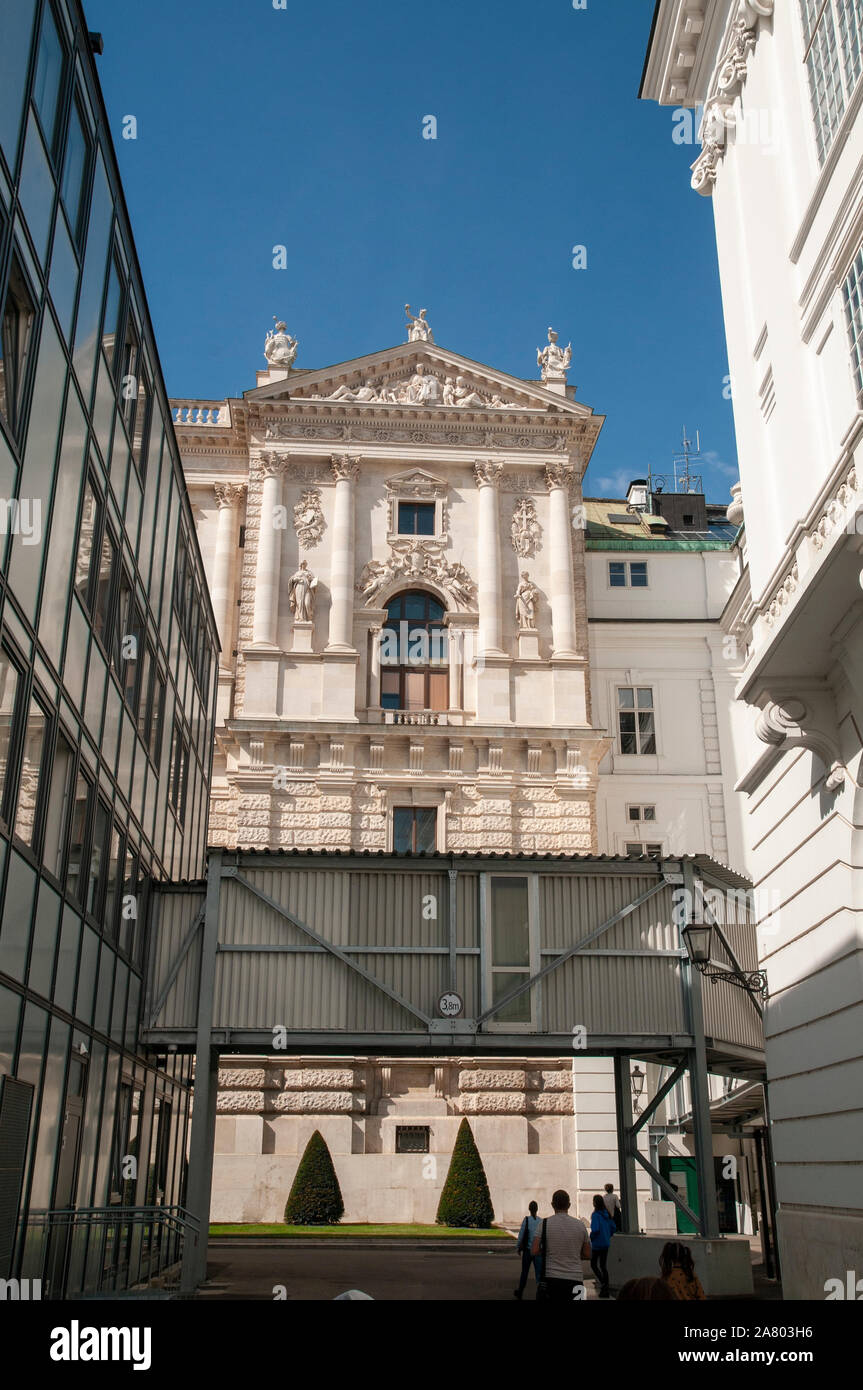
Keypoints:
pixel 280 348
pixel 554 360
pixel 419 330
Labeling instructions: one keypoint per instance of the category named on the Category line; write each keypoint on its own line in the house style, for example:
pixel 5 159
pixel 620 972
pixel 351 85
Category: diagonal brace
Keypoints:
pixel 671 1193
pixel 331 948
pixel 175 968
pixel 660 1096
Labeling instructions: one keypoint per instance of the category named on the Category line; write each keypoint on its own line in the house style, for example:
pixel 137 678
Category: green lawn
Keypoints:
pixel 346 1229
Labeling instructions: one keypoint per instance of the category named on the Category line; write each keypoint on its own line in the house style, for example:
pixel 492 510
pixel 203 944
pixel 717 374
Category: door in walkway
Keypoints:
pixel 679 1171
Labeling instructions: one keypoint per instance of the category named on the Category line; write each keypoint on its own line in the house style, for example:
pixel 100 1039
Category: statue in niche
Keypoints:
pixel 554 360
pixel 301 590
pixel 526 599
pixel 419 329
pixel 280 348
pixel 525 528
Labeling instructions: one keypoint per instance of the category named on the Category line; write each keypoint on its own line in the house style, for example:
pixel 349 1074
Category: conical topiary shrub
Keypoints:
pixel 465 1199
pixel 315 1198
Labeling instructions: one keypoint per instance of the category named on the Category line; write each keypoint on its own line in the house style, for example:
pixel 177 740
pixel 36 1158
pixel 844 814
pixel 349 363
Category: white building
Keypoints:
pixel 432 642
pixel 782 156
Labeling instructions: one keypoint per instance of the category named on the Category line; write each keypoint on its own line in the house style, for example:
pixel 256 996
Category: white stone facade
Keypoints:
pixel 783 142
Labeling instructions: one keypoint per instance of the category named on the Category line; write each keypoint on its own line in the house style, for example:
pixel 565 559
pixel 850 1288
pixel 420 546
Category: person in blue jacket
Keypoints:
pixel 529 1227
pixel 602 1228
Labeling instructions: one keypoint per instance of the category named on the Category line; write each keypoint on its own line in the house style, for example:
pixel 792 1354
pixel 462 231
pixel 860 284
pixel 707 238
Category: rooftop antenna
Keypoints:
pixel 682 478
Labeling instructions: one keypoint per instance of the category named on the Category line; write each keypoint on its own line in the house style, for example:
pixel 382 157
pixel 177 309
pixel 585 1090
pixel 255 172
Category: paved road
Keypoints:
pixel 317 1273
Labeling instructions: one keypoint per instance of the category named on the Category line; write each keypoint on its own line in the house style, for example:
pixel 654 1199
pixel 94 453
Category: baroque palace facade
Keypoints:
pixel 431 642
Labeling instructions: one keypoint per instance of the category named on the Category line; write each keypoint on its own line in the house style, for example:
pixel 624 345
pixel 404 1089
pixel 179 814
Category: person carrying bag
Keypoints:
pixel 563 1244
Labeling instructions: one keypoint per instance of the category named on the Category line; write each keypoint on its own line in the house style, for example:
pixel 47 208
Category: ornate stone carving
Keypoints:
pixel 782 595
pixel 559 475
pixel 309 519
pixel 301 593
pixel 487 472
pixel 345 467
pixel 280 348
pixel 525 528
pixel 789 723
pixel 229 494
pixel 554 360
pixel 419 329
pixel 726 84
pixel 273 465
pixel 417 560
pixel 526 599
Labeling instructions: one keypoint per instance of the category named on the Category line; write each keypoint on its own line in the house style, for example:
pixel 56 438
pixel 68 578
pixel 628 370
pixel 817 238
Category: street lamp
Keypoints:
pixel 698 940
pixel 637 1078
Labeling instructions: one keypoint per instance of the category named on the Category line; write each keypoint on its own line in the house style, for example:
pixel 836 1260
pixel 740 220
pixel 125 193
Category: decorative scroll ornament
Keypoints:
pixel 280 348
pixel 789 724
pixel 727 83
pixel 309 518
pixel 417 560
pixel 525 528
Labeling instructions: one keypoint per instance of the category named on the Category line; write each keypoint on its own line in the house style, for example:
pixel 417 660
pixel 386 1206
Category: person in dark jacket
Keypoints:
pixel 602 1228
pixel 529 1228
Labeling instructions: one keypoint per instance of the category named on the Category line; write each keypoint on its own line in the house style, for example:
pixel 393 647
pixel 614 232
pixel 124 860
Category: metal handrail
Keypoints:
pixel 91 1251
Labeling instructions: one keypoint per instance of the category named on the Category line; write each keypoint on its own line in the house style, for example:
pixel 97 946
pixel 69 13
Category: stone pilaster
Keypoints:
pixel 342 576
pixel 558 478
pixel 268 570
pixel 228 498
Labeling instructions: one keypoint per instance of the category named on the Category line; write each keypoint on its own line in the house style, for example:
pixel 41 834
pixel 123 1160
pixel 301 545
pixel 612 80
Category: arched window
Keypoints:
pixel 414 655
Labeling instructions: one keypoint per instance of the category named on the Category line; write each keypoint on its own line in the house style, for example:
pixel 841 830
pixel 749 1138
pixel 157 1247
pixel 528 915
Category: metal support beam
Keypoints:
pixel 625 1144
pixel 665 1186
pixel 175 966
pixel 660 1096
pixel 200 1180
pixel 452 927
pixel 572 951
pixel 701 1118
pixel 330 947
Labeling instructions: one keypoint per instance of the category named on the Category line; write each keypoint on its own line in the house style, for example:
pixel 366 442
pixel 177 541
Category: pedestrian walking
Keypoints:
pixel 602 1228
pixel 612 1205
pixel 677 1268
pixel 563 1243
pixel 526 1237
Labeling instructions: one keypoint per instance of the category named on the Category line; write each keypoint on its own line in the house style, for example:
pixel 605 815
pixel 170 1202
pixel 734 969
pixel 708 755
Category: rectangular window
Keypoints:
pixel 641 813
pixel 635 719
pixel 48 82
pixel 33 752
pixel 179 774
pixel 412 1139
pixel 414 829
pixel 59 801
pixel 75 870
pixel 9 678
pixel 627 574
pixel 416 518
pixel 833 34
pixel 76 166
pixel 635 849
pixel 16 341
pixel 853 293
pixel 510 946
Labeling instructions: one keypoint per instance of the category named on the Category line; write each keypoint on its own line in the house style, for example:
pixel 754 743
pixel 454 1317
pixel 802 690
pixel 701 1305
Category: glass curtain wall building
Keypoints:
pixel 107 676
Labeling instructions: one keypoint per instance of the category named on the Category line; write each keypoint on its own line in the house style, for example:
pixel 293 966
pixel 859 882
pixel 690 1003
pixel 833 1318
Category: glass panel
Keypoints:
pixel 44 946
pixel 31 768
pixel 519 1010
pixel 85 995
pixel 617 575
pixel 36 189
pixel 101 825
pixel 645 699
pixel 426 825
pixel 638 576
pixel 15 345
pixel 649 813
pixel 87 533
pixel 47 83
pixel 51 1112
pixel 59 801
pixel 438 690
pixel 403 830
pixel 58 557
pixel 10 1012
pixel 510 933
pixel 77 838
pixel 113 304
pixel 103 587
pixel 415 690
pixel 112 884
pixel 8 692
pixel 17 908
pixel 38 472
pixel 64 278
pixel 414 605
pixel 94 278
pixel 626 698
pixel 646 733
pixel 74 168
pixel 16 24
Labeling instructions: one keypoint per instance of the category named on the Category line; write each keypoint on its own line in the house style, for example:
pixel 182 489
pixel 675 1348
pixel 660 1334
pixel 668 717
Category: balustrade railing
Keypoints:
pixel 201 413
pixel 95 1251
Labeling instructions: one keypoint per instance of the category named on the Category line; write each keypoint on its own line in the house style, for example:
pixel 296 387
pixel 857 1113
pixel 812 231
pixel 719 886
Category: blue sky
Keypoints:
pixel 303 127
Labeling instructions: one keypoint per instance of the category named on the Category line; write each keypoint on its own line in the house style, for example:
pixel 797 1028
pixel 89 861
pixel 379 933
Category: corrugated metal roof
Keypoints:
pixel 608 530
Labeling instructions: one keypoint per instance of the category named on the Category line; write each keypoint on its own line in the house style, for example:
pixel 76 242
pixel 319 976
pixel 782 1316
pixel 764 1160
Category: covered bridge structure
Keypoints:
pixel 286 952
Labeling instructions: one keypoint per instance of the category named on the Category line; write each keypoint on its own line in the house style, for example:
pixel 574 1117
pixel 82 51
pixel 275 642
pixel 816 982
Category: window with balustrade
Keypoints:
pixel 414 654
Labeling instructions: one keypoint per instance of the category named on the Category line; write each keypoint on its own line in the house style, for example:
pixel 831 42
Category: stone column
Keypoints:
pixel 228 498
pixel 268 569
pixel 558 477
pixel 342 567
pixel 487 473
